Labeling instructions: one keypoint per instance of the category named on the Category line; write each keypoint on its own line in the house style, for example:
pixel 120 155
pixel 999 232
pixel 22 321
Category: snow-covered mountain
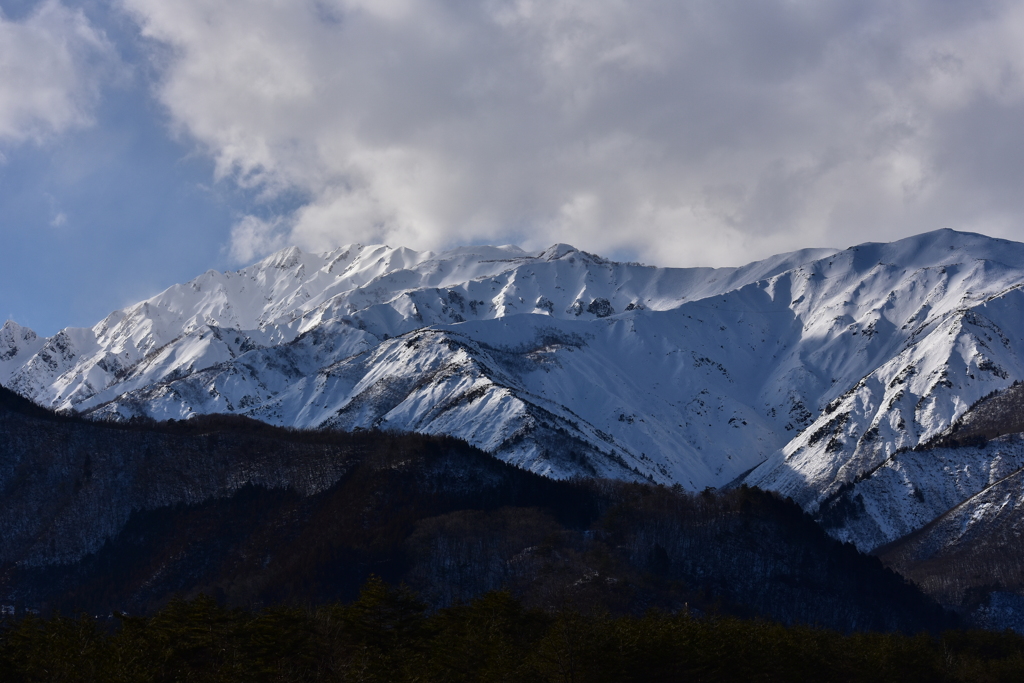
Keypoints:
pixel 804 373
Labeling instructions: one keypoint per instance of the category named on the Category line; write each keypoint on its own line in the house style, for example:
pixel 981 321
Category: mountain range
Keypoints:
pixel 877 386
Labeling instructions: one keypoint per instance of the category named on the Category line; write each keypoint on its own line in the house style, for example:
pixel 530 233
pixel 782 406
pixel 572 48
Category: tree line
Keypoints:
pixel 389 634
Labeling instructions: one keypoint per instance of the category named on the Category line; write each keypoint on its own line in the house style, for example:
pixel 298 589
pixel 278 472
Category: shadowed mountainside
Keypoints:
pixel 127 516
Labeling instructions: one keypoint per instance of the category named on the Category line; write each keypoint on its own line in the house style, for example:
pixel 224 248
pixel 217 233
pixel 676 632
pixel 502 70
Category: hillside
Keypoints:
pixel 106 517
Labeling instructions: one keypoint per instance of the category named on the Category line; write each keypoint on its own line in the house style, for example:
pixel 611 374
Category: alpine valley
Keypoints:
pixel 879 386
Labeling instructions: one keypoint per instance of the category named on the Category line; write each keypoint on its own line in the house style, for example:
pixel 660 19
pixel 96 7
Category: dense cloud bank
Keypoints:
pixel 642 127
pixel 699 133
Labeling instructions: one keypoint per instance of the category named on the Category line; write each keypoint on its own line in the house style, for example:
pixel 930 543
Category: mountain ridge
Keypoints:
pixel 806 373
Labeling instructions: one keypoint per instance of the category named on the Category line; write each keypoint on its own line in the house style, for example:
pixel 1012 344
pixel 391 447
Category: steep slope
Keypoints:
pixel 954 507
pixel 310 340
pixel 945 476
pixel 689 391
pixel 948 336
pixel 971 545
pixel 17 345
pixel 969 557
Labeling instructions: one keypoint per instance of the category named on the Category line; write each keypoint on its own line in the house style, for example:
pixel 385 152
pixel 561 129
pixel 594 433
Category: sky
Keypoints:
pixel 143 142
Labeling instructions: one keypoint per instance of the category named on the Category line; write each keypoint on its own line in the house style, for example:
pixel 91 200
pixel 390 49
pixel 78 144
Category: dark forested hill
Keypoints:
pixel 104 518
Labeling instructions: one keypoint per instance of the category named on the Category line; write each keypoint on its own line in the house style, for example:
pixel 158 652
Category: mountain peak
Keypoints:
pixel 557 251
pixel 17 345
pixel 14 328
pixel 942 246
pixel 288 257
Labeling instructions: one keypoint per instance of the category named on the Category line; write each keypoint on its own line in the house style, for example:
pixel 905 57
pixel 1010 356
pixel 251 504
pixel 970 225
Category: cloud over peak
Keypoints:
pixel 700 132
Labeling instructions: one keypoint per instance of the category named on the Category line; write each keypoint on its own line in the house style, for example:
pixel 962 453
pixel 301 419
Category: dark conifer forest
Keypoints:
pixel 387 634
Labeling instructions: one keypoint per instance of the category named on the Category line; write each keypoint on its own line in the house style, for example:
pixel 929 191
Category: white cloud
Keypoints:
pixel 698 132
pixel 52 64
pixel 252 237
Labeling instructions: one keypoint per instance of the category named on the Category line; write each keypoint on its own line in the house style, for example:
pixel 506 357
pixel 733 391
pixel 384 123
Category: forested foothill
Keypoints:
pixel 251 563
pixel 435 513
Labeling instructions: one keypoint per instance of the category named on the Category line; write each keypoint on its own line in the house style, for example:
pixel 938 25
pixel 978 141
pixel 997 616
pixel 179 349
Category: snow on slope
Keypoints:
pixel 974 544
pixel 944 331
pixel 392 291
pixel 17 345
pixel 912 488
pixel 803 372
pixel 331 347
